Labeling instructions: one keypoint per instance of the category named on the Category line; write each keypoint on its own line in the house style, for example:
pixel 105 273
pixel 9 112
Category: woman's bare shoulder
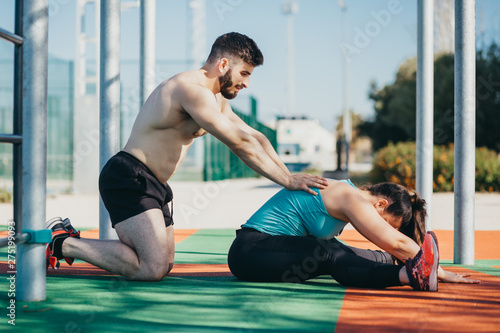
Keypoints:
pixel 338 188
pixel 335 196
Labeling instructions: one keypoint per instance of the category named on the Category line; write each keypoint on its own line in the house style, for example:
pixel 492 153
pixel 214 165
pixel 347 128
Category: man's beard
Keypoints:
pixel 226 83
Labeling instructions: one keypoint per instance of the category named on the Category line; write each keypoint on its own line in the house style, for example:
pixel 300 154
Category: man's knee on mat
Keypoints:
pixel 152 272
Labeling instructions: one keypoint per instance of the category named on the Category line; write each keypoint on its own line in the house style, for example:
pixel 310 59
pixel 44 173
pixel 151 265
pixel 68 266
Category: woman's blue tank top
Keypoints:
pixel 296 213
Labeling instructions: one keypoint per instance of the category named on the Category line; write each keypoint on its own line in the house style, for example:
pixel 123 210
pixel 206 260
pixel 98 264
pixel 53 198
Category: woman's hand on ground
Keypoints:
pixel 446 276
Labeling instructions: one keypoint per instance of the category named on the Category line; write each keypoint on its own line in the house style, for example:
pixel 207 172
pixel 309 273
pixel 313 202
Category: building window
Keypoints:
pixel 288 149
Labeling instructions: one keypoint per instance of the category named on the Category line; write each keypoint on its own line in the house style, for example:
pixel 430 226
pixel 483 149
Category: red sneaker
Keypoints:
pixel 59 233
pixel 72 233
pixel 422 270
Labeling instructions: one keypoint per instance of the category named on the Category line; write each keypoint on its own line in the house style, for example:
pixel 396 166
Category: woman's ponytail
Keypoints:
pixel 417 223
pixel 407 204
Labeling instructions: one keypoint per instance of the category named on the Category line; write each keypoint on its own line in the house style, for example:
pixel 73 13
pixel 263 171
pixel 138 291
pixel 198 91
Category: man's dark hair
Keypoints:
pixel 236 45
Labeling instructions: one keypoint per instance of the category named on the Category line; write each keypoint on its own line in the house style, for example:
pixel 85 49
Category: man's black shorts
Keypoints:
pixel 129 188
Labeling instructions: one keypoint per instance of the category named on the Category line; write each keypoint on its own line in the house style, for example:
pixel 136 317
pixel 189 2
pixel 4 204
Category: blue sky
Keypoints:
pixel 317 40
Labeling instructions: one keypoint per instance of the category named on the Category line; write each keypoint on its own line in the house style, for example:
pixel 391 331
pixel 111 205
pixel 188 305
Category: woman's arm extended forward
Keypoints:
pixel 344 202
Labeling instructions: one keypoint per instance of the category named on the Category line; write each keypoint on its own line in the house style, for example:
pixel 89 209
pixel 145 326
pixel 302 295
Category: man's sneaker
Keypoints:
pixel 53 249
pixel 72 233
pixel 422 270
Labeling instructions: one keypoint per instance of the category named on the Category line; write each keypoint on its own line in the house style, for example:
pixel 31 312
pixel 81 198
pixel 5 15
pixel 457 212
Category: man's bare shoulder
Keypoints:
pixel 184 83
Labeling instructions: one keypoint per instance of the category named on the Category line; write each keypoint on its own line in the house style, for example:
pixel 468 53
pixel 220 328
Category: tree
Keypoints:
pixel 395 104
pixel 394 109
pixel 356 119
pixel 488 98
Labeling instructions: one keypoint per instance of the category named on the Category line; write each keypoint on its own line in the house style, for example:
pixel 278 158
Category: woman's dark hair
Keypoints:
pixel 236 45
pixel 410 206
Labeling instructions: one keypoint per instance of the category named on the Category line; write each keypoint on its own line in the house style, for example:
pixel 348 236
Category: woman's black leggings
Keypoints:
pixel 256 256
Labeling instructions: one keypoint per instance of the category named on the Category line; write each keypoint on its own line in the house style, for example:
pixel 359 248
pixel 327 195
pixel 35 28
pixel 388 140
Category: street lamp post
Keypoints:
pixel 347 126
pixel 289 9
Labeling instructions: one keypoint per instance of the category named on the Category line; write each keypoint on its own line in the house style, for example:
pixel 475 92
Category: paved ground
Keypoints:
pixel 201 295
pixel 227 204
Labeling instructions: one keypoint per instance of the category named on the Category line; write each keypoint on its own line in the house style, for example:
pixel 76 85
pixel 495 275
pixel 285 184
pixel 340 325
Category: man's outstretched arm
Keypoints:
pixel 263 140
pixel 268 147
pixel 201 105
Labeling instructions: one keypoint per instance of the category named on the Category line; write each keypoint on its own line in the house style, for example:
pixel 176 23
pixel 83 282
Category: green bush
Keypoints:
pixel 443 169
pixel 396 163
pixel 5 196
pixel 487 170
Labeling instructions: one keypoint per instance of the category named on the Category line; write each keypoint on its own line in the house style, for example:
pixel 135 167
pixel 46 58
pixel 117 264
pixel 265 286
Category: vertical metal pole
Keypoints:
pixel 197 45
pixel 291 75
pixel 290 8
pixel 465 131
pixel 347 126
pixel 31 257
pixel 197 51
pixel 86 104
pixel 18 120
pixel 80 61
pixel 109 102
pixel 148 49
pixel 425 104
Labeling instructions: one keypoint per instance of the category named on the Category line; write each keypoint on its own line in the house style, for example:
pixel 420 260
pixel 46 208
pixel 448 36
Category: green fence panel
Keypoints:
pixel 59 120
pixel 221 163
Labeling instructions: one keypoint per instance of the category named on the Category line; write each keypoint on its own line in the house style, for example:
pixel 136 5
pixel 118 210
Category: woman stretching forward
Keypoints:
pixel 291 238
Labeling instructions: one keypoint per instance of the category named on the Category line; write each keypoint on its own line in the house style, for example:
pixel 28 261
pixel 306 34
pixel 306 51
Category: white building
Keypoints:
pixel 304 144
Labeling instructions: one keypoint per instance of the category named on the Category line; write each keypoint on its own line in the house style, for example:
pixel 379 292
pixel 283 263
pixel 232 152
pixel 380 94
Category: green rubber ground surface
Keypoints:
pixel 179 304
pixel 78 304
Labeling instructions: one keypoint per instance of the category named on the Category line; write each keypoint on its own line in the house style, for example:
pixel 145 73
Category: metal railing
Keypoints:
pixel 9 36
pixel 27 234
pixel 16 138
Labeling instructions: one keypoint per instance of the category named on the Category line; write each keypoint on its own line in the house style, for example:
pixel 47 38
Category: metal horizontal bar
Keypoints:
pixel 9 36
pixel 18 239
pixel 130 4
pixel 90 40
pixel 11 138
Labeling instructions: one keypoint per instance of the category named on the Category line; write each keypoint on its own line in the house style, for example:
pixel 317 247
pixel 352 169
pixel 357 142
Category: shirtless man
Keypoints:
pixel 133 184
